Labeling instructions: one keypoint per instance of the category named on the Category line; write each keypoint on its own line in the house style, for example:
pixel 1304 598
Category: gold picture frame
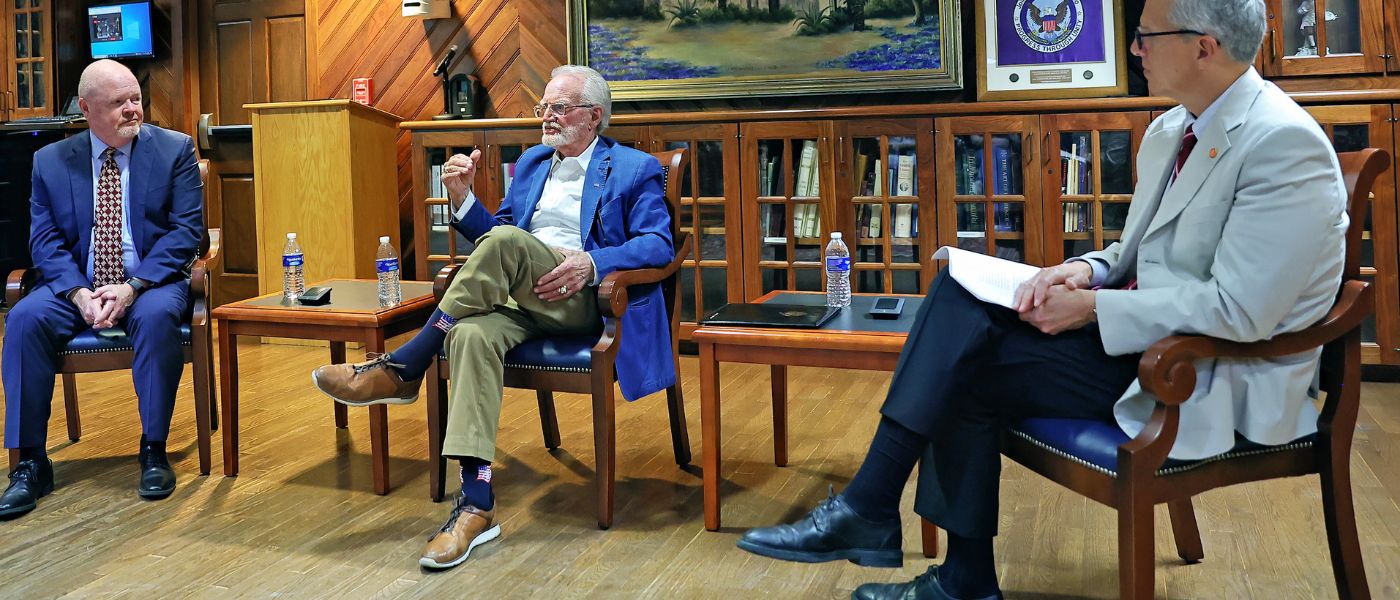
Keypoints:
pixel 1008 71
pixel 673 57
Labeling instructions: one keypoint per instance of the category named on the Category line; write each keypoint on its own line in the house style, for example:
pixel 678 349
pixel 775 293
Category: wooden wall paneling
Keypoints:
pixel 286 58
pixel 236 214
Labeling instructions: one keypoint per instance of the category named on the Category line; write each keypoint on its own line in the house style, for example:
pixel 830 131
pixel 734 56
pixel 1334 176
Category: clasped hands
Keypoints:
pixel 1057 298
pixel 103 307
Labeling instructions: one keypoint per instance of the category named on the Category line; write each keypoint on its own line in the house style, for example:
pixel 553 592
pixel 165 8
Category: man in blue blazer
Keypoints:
pixel 581 206
pixel 115 219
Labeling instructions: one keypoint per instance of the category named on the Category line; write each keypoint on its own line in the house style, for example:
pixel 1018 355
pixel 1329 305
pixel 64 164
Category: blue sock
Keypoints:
pixel 476 483
pixel 419 352
pixel 36 453
pixel 874 491
pixel 969 570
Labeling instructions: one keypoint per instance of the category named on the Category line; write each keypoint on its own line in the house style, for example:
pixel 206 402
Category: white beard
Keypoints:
pixel 129 131
pixel 567 135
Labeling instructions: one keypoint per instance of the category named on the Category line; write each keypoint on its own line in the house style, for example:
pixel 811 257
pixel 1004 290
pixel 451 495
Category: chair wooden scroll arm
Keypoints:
pixel 18 285
pixel 612 292
pixel 1168 372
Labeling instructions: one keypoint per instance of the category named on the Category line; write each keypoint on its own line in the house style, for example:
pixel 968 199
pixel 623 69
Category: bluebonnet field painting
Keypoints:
pixel 765 40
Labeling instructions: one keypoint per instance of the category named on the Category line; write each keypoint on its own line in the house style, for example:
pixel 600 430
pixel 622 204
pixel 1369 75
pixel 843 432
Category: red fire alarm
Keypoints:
pixel 362 90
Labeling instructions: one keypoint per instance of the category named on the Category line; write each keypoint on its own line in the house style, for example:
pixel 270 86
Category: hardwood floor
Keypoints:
pixel 300 520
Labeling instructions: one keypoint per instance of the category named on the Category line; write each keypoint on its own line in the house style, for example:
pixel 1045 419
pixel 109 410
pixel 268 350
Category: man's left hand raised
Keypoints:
pixel 568 278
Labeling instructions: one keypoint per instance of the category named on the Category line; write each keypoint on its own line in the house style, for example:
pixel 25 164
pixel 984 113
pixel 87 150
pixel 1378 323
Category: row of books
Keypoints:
pixel 1079 217
pixel 1076 166
pixel 807 184
pixel 900 173
pixel 1006 217
pixel 971 176
pixel 806 221
pixel 869 220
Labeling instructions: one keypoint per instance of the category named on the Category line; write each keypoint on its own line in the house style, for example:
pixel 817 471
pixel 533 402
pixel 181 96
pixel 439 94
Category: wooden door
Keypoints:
pixel 884 203
pixel 1322 37
pixel 989 191
pixel 1353 128
pixel 28 64
pixel 1089 167
pixel 250 51
pixel 712 275
pixel 785 195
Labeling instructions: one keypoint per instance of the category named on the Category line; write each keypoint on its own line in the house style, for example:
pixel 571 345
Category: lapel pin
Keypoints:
pixel 1212 152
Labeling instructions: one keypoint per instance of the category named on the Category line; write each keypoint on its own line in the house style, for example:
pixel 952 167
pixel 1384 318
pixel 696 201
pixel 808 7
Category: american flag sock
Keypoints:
pixel 476 483
pixel 419 352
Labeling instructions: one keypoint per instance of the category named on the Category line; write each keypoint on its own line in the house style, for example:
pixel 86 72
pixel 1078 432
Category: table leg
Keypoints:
pixel 228 392
pixel 378 425
pixel 779 376
pixel 929 532
pixel 709 432
pixel 338 357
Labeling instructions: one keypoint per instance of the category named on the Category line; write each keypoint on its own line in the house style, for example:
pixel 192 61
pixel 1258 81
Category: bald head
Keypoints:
pixel 110 98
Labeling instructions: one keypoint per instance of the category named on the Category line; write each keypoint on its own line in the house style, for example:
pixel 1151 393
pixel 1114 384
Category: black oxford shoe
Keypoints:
pixel 923 587
pixel 30 480
pixel 832 531
pixel 157 478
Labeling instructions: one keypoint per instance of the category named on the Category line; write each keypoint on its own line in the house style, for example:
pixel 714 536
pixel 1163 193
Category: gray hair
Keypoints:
pixel 595 88
pixel 1237 24
pixel 95 73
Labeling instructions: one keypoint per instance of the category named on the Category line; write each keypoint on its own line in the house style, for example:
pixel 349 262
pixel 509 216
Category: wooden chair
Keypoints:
pixel 90 353
pixel 1097 460
pixel 582 365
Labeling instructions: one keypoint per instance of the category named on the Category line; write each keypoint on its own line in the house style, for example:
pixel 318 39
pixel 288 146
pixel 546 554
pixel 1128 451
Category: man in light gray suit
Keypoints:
pixel 1235 231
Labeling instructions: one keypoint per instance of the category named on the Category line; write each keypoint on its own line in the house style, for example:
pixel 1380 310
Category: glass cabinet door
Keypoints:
pixel 1089 167
pixel 786 168
pixel 989 186
pixel 711 276
pixel 1317 37
pixel 29 64
pixel 1354 128
pixel 436 243
pixel 884 183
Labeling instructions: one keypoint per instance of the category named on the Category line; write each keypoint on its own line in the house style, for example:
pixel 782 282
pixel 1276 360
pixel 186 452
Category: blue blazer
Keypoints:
pixel 624 225
pixel 165 204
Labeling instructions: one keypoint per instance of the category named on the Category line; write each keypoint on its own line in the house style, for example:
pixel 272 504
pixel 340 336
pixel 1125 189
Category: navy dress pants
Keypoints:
pixel 971 368
pixel 41 324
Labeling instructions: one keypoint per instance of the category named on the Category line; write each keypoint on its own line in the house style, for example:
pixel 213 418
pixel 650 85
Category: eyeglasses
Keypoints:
pixel 1138 35
pixel 558 108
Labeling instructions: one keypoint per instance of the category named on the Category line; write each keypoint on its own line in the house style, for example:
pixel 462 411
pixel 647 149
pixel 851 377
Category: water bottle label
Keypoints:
pixel 838 263
pixel 291 260
pixel 387 265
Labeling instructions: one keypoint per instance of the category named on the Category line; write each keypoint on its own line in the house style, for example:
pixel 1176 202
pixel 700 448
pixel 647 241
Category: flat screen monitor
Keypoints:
pixel 121 30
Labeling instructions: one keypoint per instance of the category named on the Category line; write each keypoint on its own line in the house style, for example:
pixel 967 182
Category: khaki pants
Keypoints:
pixel 496 308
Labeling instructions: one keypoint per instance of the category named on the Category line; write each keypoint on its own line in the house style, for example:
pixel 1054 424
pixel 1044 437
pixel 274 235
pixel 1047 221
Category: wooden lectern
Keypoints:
pixel 327 170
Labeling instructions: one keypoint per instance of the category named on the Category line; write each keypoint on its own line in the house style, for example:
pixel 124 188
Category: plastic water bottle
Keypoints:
pixel 838 272
pixel 293 280
pixel 386 263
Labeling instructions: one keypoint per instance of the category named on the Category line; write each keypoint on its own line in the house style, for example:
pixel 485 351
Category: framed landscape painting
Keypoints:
pixel 690 49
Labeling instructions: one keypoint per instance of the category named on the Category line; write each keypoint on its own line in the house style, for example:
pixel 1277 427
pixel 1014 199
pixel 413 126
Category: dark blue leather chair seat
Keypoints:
pixel 88 342
pixel 1094 444
pixel 573 354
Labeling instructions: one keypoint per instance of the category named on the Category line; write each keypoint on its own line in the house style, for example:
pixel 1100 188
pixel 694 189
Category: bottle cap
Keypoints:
pixel 383 239
pixel 291 236
pixel 835 235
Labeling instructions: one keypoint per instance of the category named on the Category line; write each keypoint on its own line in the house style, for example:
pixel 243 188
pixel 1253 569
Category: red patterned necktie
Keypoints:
pixel 1188 142
pixel 107 266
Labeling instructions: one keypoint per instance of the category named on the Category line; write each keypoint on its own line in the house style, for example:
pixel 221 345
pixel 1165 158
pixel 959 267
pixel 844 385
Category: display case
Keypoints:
pixel 989 186
pixel 884 203
pixel 1090 166
pixel 785 195
pixel 1324 37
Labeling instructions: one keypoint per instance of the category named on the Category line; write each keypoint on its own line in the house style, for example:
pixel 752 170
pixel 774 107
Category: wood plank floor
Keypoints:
pixel 301 522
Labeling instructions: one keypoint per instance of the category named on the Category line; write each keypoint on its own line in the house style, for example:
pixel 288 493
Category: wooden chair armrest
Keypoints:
pixel 612 292
pixel 443 279
pixel 18 284
pixel 1167 369
pixel 200 281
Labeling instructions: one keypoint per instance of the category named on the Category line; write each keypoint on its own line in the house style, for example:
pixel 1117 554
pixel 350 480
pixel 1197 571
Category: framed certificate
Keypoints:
pixel 1037 49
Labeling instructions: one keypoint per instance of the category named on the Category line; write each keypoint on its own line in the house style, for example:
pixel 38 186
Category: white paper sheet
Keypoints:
pixel 989 278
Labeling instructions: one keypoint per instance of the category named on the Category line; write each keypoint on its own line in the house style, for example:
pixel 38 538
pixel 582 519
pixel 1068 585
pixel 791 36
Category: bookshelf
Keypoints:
pixel 1090 170
pixel 884 201
pixel 786 195
pixel 989 185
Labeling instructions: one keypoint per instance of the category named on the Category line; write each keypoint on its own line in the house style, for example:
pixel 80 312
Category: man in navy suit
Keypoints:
pixel 581 206
pixel 115 220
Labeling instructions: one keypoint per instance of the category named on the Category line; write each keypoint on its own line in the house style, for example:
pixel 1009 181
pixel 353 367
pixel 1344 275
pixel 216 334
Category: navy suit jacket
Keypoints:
pixel 165 205
pixel 625 225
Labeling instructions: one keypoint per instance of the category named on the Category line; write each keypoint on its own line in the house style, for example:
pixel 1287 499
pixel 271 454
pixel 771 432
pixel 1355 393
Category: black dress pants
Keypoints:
pixel 971 368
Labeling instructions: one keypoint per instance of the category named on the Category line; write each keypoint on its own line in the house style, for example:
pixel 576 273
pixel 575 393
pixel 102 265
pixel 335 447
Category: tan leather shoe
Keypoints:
pixel 366 383
pixel 467 528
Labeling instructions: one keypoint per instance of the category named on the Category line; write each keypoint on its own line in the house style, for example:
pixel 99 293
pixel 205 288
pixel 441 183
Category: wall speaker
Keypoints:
pixel 427 9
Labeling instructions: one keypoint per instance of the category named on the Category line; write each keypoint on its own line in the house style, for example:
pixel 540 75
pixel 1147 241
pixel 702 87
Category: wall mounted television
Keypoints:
pixel 121 30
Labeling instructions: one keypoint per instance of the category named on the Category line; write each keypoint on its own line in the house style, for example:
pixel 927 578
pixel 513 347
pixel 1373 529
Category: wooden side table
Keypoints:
pixel 851 340
pixel 353 315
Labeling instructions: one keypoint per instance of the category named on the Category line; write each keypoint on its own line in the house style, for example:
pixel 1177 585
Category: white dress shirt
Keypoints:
pixel 123 158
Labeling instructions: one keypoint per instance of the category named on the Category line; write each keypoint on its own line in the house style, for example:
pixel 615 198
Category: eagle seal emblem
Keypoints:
pixel 1049 26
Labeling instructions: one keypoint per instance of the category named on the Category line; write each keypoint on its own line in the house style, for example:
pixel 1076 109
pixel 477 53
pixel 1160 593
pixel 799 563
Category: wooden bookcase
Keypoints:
pixel 991 176
pixel 1346 37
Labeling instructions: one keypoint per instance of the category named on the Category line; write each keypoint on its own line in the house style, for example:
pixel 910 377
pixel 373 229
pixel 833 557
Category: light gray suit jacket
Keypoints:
pixel 1245 245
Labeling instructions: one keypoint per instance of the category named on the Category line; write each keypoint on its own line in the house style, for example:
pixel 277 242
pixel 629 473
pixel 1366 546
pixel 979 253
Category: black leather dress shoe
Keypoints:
pixel 832 531
pixel 157 478
pixel 30 480
pixel 923 587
